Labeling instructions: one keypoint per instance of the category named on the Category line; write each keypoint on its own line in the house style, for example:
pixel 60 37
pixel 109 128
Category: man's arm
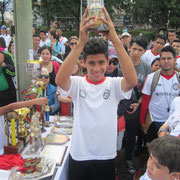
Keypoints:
pixel 143 110
pixel 129 74
pixel 21 104
pixel 64 73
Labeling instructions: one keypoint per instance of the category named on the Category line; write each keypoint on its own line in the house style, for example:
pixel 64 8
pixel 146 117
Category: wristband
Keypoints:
pixel 162 130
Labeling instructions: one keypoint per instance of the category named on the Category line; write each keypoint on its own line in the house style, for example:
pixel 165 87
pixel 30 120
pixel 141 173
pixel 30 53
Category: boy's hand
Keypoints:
pixel 83 34
pixel 111 33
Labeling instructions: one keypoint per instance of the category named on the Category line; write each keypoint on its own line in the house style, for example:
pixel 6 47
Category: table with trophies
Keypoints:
pixel 41 140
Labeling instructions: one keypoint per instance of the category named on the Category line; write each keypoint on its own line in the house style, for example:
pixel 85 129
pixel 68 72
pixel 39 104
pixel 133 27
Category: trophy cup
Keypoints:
pixel 33 68
pixel 95 9
pixel 23 132
pixel 14 145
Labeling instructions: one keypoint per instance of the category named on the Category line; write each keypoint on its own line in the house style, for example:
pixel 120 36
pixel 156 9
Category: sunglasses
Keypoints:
pixel 43 76
pixel 101 35
pixel 115 62
pixel 73 44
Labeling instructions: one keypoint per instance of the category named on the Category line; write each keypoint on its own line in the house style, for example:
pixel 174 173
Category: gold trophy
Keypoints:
pixel 14 145
pixel 23 132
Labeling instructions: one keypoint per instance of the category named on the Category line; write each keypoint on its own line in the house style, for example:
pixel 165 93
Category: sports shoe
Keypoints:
pixel 131 168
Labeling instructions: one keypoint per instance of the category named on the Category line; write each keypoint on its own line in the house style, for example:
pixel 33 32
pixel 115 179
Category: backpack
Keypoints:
pixel 156 79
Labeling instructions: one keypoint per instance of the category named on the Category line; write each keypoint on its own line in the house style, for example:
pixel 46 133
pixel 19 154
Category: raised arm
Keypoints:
pixel 64 73
pixel 129 74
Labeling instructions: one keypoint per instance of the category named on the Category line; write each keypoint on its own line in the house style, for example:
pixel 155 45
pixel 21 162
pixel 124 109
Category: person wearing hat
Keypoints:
pixel 6 36
pixel 126 39
pixel 112 70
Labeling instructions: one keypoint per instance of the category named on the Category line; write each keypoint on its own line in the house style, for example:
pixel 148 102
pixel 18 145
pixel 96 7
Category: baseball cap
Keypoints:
pixel 3 27
pixel 112 52
pixel 125 34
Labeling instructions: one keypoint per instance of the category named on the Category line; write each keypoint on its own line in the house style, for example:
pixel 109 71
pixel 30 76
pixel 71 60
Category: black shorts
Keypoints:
pixel 91 170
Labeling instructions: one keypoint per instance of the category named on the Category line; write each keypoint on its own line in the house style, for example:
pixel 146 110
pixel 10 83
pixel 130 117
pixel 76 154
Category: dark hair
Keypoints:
pixel 168 49
pixel 166 150
pixel 95 46
pixel 141 41
pixel 36 35
pixel 9 46
pixel 160 36
pixel 73 37
pixel 53 33
pixel 2 42
pixel 156 59
pixel 43 48
pixel 176 40
pixel 172 31
pixel 42 31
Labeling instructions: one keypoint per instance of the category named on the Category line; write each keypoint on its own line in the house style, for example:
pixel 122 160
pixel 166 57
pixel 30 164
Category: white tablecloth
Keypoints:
pixel 62 171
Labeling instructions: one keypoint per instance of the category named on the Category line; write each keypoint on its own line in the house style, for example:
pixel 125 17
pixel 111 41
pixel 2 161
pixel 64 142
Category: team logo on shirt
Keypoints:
pixel 175 86
pixel 106 94
pixel 175 124
pixel 82 93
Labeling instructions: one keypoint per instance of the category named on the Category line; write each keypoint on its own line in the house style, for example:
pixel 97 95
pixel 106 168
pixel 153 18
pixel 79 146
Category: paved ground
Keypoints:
pixel 140 165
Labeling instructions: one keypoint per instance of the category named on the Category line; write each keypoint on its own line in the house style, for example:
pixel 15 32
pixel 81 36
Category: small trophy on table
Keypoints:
pixel 14 145
pixel 23 132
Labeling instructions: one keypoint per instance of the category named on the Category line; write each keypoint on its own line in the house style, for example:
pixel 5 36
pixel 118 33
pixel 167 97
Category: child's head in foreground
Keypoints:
pixel 164 160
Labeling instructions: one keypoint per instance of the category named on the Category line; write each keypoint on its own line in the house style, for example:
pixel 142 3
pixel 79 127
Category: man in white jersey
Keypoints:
pixel 153 53
pixel 95 98
pixel 159 102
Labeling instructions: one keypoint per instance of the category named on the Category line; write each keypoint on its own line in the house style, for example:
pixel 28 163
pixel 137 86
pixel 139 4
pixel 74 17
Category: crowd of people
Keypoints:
pixel 119 92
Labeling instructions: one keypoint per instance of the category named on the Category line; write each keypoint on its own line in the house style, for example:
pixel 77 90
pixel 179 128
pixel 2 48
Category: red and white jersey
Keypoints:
pixel 174 123
pixel 149 56
pixel 95 117
pixel 175 104
pixel 161 99
pixel 178 62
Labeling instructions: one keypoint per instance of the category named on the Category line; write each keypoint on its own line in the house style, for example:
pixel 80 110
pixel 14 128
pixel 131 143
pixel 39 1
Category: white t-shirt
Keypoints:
pixel 174 123
pixel 161 99
pixel 149 56
pixel 175 104
pixel 42 43
pixel 178 62
pixel 167 44
pixel 2 135
pixel 95 117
